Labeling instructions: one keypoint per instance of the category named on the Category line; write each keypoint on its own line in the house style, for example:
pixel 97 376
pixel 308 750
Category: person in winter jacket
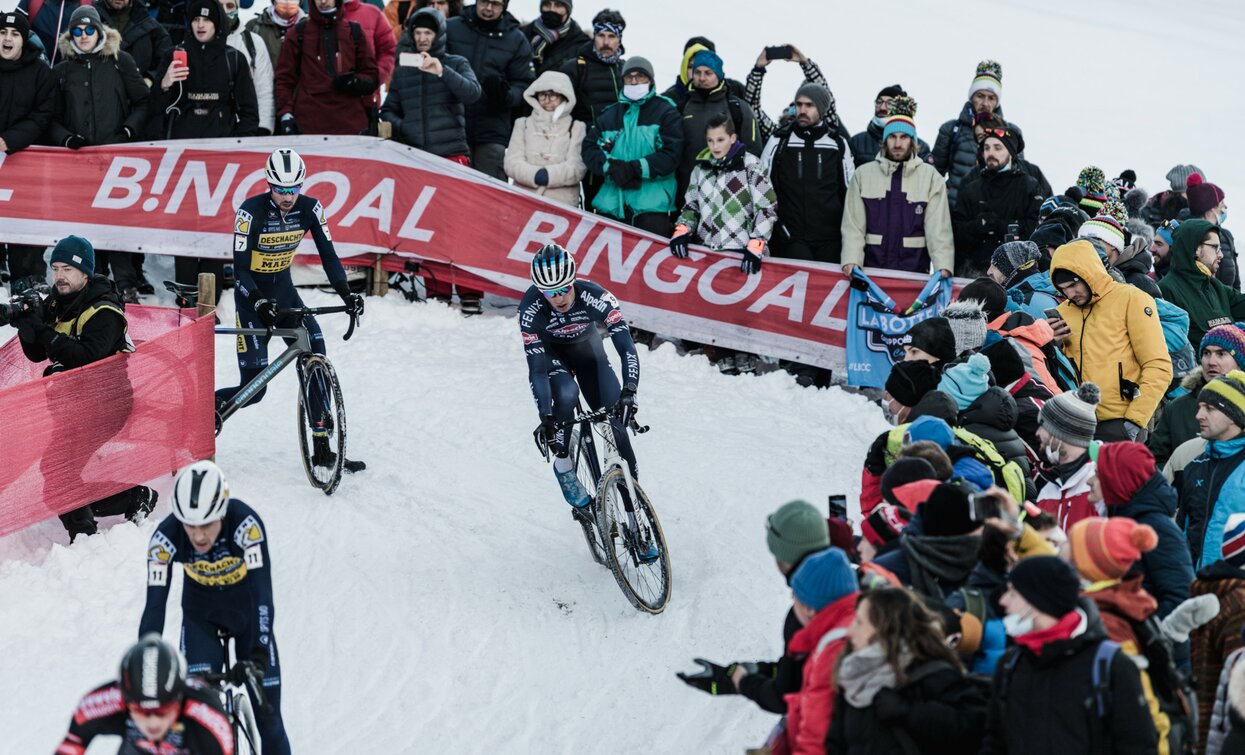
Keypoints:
pixel 811 167
pixel 1057 645
pixel 1212 487
pixel 730 203
pixel 1168 205
pixel 635 147
pixel 1042 358
pixel 141 35
pixel 868 144
pixel 251 45
pixel 378 33
pixel 681 89
pixel 1207 202
pixel 27 103
pixel 880 530
pixel 1027 392
pixel 596 75
pixel 896 215
pixel 48 23
pixel 1065 434
pixel 427 105
pixel 1112 334
pixel 272 23
pixel 546 147
pixel 901 688
pixel 955 150
pixel 1213 643
pixel 1190 283
pixel 325 75
pixel 706 98
pixel 756 78
pixel 1222 350
pixel 936 558
pixel 1234 741
pixel 986 410
pixel 1135 262
pixel 555 37
pixel 1004 200
pixel 213 95
pixel 499 53
pixel 824 600
pixel 397 12
pixel 1015 265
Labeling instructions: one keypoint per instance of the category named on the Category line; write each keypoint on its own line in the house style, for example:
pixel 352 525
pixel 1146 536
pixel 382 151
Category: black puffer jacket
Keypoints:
pixel 99 93
pixel 597 85
pixel 428 112
pixel 955 149
pixel 218 97
pixel 500 56
pixel 867 143
pixel 78 329
pixel 556 54
pixel 986 207
pixel 142 37
pixel 1136 271
pixel 27 98
pixel 993 416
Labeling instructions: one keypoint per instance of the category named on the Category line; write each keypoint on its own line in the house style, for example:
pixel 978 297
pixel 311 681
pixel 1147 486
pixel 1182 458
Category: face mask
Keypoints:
pixel 233 19
pixel 879 122
pixel 551 19
pixel 1052 453
pixel 1223 217
pixel 1016 626
pixel 636 92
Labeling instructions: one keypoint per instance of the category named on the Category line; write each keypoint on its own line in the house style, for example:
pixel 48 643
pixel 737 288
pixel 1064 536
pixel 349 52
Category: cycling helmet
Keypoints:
pixel 553 267
pixel 285 168
pixel 200 495
pixel 153 673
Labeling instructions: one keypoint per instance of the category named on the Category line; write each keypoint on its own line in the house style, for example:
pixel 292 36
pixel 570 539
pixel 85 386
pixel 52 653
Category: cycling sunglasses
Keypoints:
pixel 287 190
pixel 78 31
pixel 163 710
pixel 555 292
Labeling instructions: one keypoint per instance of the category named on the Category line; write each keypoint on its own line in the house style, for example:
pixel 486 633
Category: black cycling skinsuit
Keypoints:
pixel 201 729
pixel 264 243
pixel 562 347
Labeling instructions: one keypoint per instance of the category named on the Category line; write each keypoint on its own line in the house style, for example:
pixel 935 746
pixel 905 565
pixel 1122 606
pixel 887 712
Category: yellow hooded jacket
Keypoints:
pixel 1116 335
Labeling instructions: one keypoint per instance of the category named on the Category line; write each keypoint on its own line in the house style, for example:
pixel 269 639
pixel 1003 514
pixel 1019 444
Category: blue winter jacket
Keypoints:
pixel 1033 295
pixel 1212 488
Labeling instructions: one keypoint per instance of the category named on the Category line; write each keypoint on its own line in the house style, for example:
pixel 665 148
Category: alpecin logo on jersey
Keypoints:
pixel 614 317
pixel 530 338
pixel 572 329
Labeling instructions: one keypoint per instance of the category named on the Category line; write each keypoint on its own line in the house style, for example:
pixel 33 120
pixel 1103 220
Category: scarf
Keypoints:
pixel 1063 630
pixel 933 561
pixel 543 36
pixel 865 673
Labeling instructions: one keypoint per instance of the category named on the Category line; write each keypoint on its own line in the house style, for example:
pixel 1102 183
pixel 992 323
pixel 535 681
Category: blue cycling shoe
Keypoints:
pixel 572 491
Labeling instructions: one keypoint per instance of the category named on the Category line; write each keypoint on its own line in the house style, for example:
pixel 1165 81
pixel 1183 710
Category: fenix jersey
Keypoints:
pixel 548 335
pixel 237 561
pixel 264 242
pixel 201 728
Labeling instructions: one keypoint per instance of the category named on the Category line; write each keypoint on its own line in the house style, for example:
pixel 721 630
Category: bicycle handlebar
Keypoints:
pixel 246 674
pixel 596 416
pixel 311 311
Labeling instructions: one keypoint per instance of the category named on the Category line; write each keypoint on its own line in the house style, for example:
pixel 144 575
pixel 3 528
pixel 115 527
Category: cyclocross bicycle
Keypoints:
pixel 619 524
pixel 233 685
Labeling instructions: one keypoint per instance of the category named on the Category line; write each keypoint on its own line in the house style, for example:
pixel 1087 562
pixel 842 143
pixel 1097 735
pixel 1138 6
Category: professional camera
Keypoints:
pixel 27 300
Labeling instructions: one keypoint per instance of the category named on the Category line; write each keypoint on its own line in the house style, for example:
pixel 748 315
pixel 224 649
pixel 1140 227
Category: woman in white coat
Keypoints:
pixel 544 153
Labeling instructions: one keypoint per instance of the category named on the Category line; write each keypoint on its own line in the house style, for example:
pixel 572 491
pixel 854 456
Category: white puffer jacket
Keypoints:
pixel 552 141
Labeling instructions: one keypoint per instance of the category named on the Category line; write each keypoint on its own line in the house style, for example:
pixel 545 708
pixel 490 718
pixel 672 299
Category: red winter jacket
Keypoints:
pixel 378 32
pixel 305 74
pixel 810 709
pixel 1068 500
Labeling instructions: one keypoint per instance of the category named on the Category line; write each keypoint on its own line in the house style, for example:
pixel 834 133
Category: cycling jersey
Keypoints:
pixel 265 240
pixel 202 728
pixel 227 589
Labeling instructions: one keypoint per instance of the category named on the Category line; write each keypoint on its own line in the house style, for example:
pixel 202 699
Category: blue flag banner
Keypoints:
pixel 876 326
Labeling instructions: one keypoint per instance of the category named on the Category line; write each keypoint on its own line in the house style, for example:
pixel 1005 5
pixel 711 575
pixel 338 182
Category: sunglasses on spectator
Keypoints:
pixel 163 710
pixel 998 133
pixel 556 292
pixel 78 31
pixel 287 190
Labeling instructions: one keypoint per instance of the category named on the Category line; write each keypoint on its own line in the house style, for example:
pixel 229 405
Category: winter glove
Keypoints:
pixel 545 431
pixel 890 707
pixel 1132 428
pixel 124 135
pixel 542 177
pixel 266 311
pixel 288 127
pixel 626 175
pixel 1190 615
pixel 680 240
pixel 992 225
pixel 752 257
pixel 261 131
pixel 73 141
pixel 857 283
pixel 496 93
pixel 712 678
pixel 27 329
pixel 351 84
pixel 626 405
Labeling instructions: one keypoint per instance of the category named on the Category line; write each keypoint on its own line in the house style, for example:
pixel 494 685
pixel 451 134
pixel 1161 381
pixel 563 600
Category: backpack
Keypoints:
pixel 1100 678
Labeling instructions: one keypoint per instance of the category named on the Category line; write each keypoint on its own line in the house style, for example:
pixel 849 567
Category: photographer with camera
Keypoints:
pixel 82 321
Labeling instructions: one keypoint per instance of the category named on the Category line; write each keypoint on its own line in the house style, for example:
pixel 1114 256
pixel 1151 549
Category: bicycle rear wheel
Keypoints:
pixel 588 470
pixel 321 422
pixel 626 534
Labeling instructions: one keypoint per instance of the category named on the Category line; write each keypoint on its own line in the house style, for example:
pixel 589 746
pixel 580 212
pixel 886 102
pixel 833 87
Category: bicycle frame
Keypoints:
pixel 301 345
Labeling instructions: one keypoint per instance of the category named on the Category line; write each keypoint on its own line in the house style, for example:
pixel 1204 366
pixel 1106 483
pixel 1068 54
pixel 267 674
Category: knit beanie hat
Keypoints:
pixel 639 64
pixel 946 513
pixel 933 336
pixel 974 473
pixel 426 18
pixel 931 429
pixel 795 530
pixel 910 381
pixel 1202 197
pixel 1093 182
pixel 1105 228
pixel 824 578
pixel 903 471
pixel 965 382
pixel 968 324
pixel 1048 583
pixel 711 60
pixel 1227 394
pixel 1234 540
pixel 900 120
pixel 1050 234
pixel 16 19
pixel 990 295
pixel 1178 176
pixel 1011 256
pixel 1166 230
pixel 1123 468
pixel 1005 362
pixel 818 95
pixel 989 78
pixel 1072 416
pixel 935 404
pixel 75 250
pixel 86 14
pixel 1230 338
pixel 894 90
pixel 885 523
pixel 1104 549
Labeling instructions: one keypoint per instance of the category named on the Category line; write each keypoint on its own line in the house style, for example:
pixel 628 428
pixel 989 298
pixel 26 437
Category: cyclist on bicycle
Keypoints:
pixel 223 547
pixel 153 707
pixel 267 230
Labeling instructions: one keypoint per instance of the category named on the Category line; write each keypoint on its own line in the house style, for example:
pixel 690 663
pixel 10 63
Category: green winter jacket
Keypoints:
pixel 649 132
pixel 1189 286
pixel 1178 422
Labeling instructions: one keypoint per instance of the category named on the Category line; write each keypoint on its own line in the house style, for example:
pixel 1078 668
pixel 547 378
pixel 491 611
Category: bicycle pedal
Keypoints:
pixel 353 466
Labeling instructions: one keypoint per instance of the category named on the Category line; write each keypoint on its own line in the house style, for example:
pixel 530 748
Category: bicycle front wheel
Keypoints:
pixel 245 730
pixel 321 422
pixel 635 548
pixel 588 471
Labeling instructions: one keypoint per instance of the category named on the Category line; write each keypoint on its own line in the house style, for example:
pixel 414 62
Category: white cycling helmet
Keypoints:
pixel 552 268
pixel 200 495
pixel 285 168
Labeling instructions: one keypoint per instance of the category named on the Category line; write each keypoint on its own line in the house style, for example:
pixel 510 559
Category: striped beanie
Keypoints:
pixel 900 120
pixel 1104 228
pixel 989 78
pixel 1234 540
pixel 1093 182
pixel 1230 338
pixel 1227 394
pixel 1072 416
pixel 1105 549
